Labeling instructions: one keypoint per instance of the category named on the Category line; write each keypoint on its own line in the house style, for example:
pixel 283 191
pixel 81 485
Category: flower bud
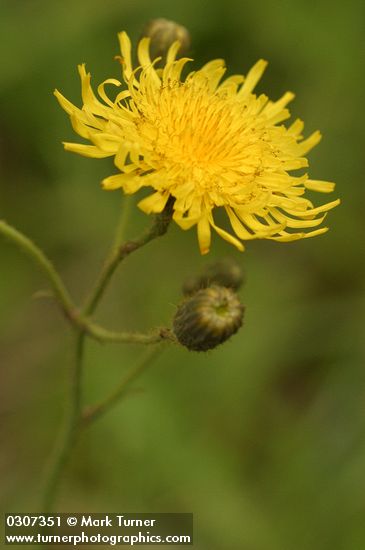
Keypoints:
pixel 163 34
pixel 208 318
pixel 226 272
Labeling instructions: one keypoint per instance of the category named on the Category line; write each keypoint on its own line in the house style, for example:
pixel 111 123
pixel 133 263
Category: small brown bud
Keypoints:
pixel 163 34
pixel 226 272
pixel 208 318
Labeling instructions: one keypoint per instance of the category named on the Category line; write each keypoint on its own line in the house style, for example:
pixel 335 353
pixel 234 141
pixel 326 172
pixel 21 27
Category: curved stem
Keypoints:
pixel 112 261
pixel 127 202
pixel 94 412
pixel 99 333
pixel 120 252
pixel 36 254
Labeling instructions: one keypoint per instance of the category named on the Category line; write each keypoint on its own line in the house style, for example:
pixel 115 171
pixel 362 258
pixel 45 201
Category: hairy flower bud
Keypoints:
pixel 226 272
pixel 163 33
pixel 208 318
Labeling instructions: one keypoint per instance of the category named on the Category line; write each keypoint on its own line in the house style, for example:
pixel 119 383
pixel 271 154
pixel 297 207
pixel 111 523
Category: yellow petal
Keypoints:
pixel 172 53
pixel 130 183
pixel 277 107
pixel 80 127
pixel 262 230
pixel 86 150
pixel 106 142
pixel 288 237
pixel 226 236
pixel 252 78
pixel 321 186
pixel 143 52
pixel 101 90
pixel 230 85
pixel 237 226
pixel 185 222
pixel 65 103
pixel 204 235
pixel 126 49
pixel 295 223
pixel 296 128
pixel 154 203
pixel 314 211
pixel 309 143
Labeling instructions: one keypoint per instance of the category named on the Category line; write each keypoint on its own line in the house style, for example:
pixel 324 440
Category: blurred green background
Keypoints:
pixel 262 439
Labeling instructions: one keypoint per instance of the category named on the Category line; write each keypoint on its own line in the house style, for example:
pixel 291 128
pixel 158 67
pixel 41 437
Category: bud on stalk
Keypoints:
pixel 226 272
pixel 208 318
pixel 163 33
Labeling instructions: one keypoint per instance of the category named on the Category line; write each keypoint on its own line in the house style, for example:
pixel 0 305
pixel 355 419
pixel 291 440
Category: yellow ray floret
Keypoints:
pixel 205 142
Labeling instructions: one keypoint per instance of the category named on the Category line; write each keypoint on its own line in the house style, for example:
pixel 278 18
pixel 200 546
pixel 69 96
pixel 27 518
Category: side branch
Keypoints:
pixel 38 256
pixel 103 335
pixel 93 412
pixel 118 254
pixel 63 297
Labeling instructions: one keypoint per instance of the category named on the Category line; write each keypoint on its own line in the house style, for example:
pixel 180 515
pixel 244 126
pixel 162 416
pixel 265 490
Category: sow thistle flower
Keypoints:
pixel 205 141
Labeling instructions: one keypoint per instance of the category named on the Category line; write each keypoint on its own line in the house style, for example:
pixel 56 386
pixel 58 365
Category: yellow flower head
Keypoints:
pixel 205 142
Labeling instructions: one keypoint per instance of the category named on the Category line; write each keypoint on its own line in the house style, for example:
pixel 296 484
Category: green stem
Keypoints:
pixel 120 252
pixel 68 436
pixel 94 412
pixel 36 254
pixel 127 203
pixel 62 295
pixel 99 333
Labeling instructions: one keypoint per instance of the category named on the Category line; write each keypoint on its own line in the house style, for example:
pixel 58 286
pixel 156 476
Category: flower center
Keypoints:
pixel 200 135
